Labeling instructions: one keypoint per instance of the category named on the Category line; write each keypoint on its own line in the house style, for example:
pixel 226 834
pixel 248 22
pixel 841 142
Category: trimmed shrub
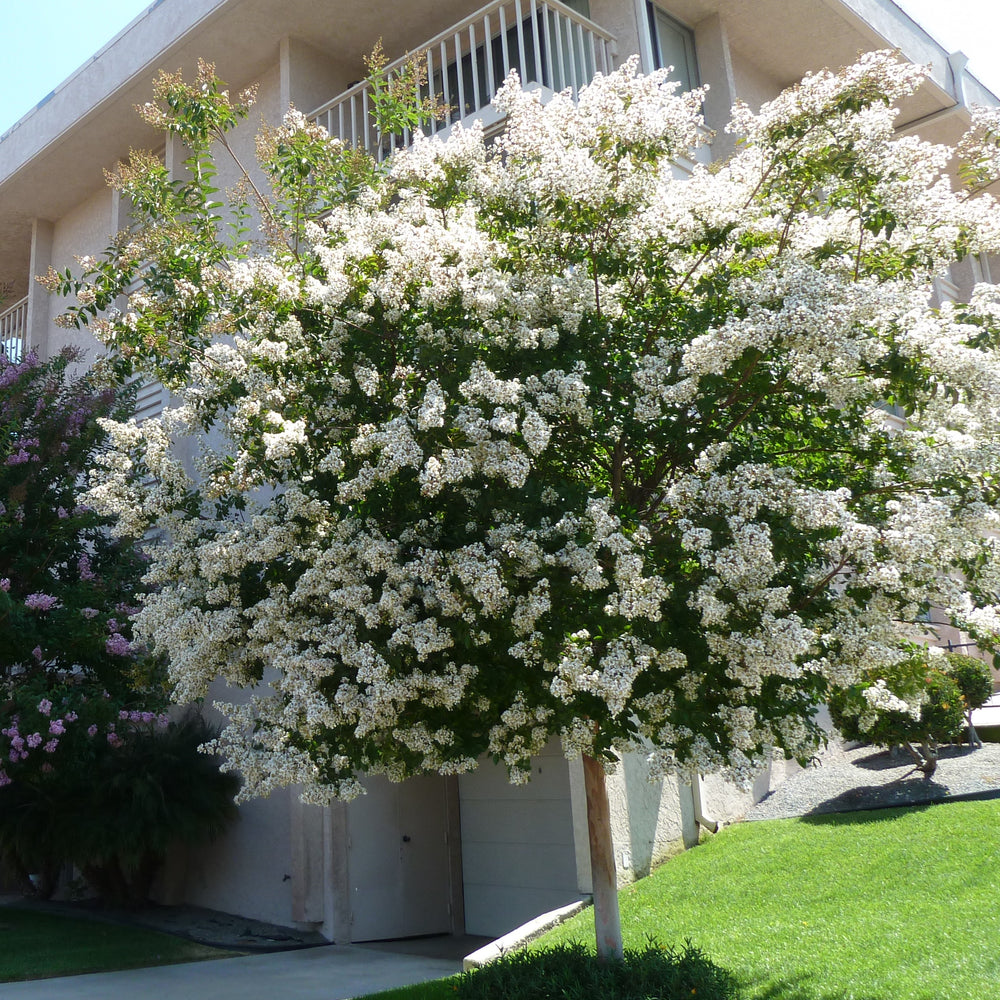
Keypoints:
pixel 570 972
pixel 940 718
pixel 973 677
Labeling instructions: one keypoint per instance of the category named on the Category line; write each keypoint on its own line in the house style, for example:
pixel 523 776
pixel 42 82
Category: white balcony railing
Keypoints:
pixel 550 46
pixel 13 329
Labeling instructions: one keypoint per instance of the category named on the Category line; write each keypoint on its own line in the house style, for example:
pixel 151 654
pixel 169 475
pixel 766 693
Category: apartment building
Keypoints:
pixel 433 854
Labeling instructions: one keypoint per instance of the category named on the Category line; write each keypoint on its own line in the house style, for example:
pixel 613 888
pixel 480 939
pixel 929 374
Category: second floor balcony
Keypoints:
pixel 552 47
pixel 13 329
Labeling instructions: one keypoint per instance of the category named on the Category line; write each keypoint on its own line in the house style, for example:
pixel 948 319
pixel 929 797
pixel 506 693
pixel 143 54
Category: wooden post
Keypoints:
pixel 607 922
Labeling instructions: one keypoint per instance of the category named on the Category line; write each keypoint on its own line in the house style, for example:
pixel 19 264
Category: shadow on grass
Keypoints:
pixel 839 811
pixel 805 987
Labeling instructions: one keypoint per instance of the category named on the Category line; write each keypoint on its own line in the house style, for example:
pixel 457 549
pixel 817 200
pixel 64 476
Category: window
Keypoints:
pixel 672 45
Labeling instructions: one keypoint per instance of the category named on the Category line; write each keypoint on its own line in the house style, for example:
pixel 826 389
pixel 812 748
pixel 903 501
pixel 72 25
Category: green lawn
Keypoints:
pixel 37 945
pixel 900 904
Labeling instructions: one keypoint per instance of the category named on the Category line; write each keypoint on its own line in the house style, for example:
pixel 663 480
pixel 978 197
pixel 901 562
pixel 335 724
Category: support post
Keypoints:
pixel 607 922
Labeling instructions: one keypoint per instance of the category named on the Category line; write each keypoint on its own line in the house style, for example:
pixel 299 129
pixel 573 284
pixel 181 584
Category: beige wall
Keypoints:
pixel 653 820
pixel 518 850
pixel 249 869
pixel 86 229
pixel 754 84
pixel 252 868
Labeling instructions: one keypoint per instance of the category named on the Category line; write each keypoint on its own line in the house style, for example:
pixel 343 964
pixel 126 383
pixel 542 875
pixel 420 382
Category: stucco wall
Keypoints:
pixel 754 84
pixel 86 229
pixel 653 820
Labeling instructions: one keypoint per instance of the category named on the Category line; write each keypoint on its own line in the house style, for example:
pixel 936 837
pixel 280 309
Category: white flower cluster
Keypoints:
pixel 551 442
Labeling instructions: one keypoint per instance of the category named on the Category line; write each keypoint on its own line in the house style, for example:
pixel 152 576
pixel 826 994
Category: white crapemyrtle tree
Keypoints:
pixel 535 440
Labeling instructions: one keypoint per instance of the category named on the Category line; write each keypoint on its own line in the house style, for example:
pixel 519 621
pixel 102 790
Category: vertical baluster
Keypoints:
pixel 474 65
pixel 592 62
pixel 340 115
pixel 520 41
pixel 582 63
pixel 354 121
pixel 503 41
pixel 431 92
pixel 491 80
pixel 368 126
pixel 536 43
pixel 572 58
pixel 560 35
pixel 386 142
pixel 445 85
pixel 457 44
pixel 547 27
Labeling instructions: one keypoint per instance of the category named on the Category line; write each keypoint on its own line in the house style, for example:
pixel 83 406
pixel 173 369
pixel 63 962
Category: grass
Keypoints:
pixel 436 989
pixel 900 904
pixel 897 904
pixel 39 946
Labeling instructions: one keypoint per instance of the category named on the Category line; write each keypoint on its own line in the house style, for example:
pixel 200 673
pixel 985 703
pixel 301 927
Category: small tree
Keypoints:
pixel 67 587
pixel 536 440
pixel 916 701
pixel 975 681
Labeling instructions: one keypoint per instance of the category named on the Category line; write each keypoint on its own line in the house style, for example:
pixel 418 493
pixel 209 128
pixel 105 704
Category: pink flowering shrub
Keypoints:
pixel 80 701
pixel 106 788
pixel 62 575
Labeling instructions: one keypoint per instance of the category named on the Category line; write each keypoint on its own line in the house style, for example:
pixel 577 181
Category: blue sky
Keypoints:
pixel 46 40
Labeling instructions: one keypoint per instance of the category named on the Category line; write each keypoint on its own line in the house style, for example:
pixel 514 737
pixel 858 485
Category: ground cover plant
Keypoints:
pixel 40 945
pixel 571 972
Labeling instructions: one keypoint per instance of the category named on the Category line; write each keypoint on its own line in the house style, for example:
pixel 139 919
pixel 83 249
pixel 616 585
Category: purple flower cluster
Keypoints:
pixel 20 744
pixel 118 645
pixel 41 602
pixel 22 454
pixel 10 372
pixel 161 719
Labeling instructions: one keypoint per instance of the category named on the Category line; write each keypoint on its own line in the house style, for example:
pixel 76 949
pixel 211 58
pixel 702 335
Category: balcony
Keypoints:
pixel 13 329
pixel 551 46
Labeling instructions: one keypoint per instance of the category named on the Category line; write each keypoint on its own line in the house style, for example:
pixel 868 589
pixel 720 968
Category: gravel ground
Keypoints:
pixel 850 777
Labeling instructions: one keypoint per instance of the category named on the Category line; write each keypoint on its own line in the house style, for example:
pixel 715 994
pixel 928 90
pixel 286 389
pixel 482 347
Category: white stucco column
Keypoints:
pixel 716 69
pixel 39 300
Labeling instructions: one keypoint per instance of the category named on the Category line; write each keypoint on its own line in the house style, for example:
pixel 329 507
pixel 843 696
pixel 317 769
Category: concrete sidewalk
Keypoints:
pixel 334 972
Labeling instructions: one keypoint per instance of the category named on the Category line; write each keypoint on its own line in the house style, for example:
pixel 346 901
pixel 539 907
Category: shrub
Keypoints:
pixel 570 972
pixel 112 797
pixel 975 680
pixel 973 677
pixel 67 587
pixel 921 700
pixel 911 702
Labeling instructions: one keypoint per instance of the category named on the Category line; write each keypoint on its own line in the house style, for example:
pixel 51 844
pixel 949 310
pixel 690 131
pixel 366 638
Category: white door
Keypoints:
pixel 399 875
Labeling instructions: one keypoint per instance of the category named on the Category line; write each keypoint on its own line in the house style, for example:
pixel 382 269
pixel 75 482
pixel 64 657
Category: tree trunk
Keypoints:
pixel 973 736
pixel 607 922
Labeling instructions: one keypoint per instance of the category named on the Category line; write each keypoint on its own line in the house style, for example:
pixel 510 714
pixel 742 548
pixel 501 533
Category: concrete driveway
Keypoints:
pixel 334 972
